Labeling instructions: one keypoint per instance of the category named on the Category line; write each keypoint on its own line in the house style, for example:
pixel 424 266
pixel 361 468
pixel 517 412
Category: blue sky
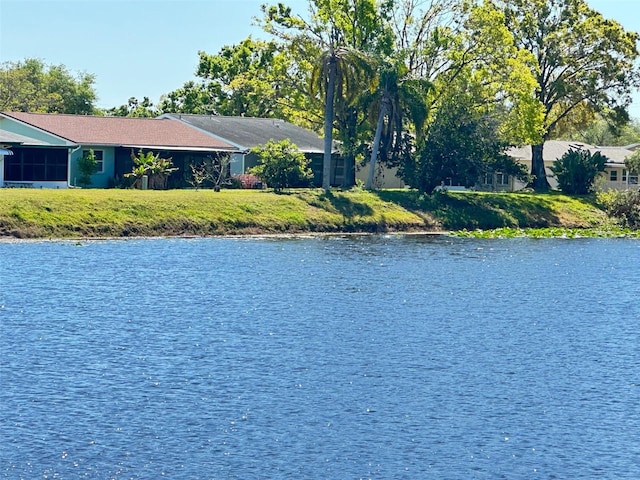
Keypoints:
pixel 140 48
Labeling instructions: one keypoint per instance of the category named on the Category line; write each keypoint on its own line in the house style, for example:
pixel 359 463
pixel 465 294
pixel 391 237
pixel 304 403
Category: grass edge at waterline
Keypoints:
pixel 94 213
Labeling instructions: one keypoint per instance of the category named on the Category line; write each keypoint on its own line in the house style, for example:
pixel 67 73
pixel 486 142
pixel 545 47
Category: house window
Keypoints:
pixel 624 175
pixel 99 154
pixel 339 169
pixel 502 179
pixel 633 179
pixel 613 176
pixel 488 179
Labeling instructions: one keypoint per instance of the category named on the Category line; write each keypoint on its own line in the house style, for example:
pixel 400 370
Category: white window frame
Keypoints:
pixel 502 179
pixel 99 154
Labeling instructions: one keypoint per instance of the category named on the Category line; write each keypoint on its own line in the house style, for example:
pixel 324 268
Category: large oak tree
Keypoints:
pixel 583 61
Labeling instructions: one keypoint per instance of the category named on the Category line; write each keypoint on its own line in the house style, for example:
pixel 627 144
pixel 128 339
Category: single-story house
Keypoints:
pixel 44 148
pixel 245 133
pixel 614 177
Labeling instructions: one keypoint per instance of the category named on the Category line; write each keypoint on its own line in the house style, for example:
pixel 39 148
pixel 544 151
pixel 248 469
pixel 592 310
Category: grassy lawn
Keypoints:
pixel 76 213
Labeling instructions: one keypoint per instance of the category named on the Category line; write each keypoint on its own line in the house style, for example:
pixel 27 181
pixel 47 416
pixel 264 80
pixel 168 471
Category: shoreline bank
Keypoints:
pixel 128 214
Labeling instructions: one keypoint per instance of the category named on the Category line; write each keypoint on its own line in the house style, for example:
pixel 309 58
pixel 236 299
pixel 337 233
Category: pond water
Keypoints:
pixel 388 357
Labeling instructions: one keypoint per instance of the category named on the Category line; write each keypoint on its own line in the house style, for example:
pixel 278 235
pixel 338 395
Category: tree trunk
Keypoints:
pixel 328 126
pixel 376 145
pixel 539 182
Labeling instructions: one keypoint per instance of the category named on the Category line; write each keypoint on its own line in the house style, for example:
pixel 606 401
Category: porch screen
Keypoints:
pixel 36 164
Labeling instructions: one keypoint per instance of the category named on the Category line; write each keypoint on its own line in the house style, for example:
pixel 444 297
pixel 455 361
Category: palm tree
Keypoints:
pixel 398 96
pixel 340 75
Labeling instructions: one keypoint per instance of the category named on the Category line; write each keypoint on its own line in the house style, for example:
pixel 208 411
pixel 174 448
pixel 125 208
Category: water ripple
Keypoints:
pixel 361 357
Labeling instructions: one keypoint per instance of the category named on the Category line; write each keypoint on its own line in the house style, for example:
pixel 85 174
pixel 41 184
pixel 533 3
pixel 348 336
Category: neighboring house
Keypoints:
pixel 614 177
pixel 46 147
pixel 385 177
pixel 245 133
pixel 553 150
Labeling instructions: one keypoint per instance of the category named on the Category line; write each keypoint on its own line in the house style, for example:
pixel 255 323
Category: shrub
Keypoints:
pixel 199 174
pixel 577 170
pixel 622 205
pixel 87 166
pixel 210 170
pixel 281 165
pixel 155 168
pixel 246 180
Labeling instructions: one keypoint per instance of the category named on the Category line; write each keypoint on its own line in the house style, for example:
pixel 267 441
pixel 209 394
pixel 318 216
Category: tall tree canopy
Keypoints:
pixel 583 61
pixel 382 76
pixel 32 86
pixel 463 144
pixel 339 40
pixel 465 56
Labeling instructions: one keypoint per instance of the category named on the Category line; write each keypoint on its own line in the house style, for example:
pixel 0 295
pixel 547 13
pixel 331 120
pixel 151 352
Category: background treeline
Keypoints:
pixel 435 88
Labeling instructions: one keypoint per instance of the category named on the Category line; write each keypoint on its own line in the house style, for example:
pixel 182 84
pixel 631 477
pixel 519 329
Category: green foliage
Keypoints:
pixel 577 170
pixel 499 75
pixel 401 101
pixel 252 78
pixel 281 165
pixel 582 61
pixel 632 162
pixel 338 41
pixel 598 129
pixel 134 108
pixel 192 97
pixel 156 169
pixel 87 166
pixel 461 146
pixel 554 232
pixel 33 86
pixel 581 56
pixel 623 205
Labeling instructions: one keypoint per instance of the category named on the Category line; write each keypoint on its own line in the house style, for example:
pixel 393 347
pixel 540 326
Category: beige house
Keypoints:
pixel 385 177
pixel 615 176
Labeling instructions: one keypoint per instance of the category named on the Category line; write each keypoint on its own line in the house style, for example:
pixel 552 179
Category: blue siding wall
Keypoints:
pixel 98 180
